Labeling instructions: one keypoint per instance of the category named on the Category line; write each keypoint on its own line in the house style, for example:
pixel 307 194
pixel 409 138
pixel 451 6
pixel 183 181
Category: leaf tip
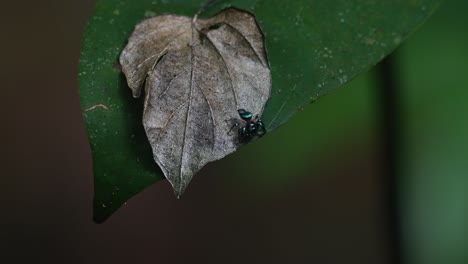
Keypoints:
pixel 179 190
pixel 100 215
pixel 98 220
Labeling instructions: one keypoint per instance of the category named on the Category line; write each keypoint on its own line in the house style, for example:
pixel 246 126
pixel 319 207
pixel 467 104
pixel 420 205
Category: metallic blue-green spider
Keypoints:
pixel 254 126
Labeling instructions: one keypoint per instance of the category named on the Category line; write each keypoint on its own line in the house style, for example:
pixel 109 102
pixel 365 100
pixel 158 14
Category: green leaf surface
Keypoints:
pixel 314 47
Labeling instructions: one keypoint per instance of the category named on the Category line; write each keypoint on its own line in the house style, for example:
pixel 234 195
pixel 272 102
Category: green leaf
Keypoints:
pixel 313 47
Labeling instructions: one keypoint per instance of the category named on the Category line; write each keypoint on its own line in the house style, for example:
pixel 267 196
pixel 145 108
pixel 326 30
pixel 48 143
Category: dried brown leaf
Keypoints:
pixel 196 77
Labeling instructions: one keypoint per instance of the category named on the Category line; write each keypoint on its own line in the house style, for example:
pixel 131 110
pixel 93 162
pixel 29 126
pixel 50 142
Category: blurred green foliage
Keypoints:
pixel 432 71
pixel 434 176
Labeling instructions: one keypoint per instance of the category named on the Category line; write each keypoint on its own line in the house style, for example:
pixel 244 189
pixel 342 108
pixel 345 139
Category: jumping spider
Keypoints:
pixel 252 127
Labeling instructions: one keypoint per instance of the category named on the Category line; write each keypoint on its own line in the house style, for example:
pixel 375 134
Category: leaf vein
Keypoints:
pixel 227 70
pixel 250 44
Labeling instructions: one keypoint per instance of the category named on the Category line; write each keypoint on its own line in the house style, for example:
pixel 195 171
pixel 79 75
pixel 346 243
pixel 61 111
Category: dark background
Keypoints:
pixel 314 191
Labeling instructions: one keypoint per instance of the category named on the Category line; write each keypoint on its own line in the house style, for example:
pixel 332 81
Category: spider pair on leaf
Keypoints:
pixel 253 126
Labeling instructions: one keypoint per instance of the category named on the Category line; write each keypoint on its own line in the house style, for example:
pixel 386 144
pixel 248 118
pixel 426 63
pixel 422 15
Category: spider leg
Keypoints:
pixel 261 130
pixel 234 123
